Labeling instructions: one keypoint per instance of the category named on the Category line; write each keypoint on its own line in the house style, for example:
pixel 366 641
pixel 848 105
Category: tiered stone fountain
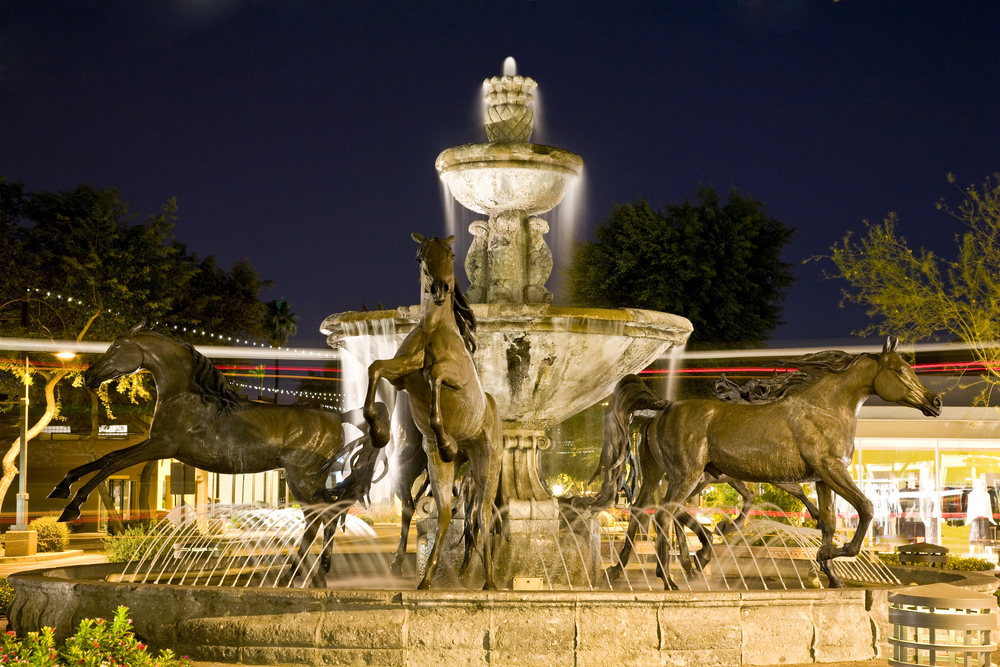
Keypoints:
pixel 542 363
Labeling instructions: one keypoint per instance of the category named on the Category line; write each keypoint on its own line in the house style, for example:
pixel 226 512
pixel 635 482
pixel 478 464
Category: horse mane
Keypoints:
pixel 213 384
pixel 465 319
pixel 808 369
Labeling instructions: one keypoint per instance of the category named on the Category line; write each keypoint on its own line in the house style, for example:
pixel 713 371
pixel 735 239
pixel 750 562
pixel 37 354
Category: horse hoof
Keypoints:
pixel 395 570
pixel 424 584
pixel 68 514
pixel 59 492
pixel 613 572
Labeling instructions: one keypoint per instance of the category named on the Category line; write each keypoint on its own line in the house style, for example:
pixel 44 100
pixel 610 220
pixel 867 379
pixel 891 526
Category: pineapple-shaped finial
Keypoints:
pixel 508 118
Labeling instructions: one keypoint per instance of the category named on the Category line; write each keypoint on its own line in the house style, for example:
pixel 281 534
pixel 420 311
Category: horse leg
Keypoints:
pixel 442 476
pixel 680 485
pixel 827 523
pixel 484 467
pixel 407 508
pixel 795 490
pixel 447 447
pixel 107 465
pixel 748 497
pixel 62 489
pixel 839 479
pixel 637 519
pixel 663 521
pixel 390 369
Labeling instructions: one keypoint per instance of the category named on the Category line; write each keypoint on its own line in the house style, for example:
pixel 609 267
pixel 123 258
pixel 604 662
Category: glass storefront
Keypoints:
pixel 940 491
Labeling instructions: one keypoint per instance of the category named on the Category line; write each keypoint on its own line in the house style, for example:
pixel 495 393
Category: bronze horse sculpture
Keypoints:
pixel 434 366
pixel 199 420
pixel 804 432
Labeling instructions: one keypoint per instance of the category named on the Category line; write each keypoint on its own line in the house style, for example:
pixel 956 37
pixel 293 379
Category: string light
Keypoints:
pixel 238 341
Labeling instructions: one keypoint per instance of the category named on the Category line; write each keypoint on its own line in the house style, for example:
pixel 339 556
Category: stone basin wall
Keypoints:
pixel 375 627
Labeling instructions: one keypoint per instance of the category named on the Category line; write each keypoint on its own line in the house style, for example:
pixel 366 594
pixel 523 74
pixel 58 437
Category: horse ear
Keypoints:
pixel 135 329
pixel 450 239
pixel 890 344
pixel 417 237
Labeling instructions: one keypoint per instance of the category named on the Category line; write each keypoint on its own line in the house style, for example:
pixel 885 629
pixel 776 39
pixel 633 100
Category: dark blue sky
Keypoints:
pixel 302 135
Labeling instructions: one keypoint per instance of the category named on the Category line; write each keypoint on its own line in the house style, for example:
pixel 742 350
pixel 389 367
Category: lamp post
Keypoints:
pixel 22 488
pixel 22 485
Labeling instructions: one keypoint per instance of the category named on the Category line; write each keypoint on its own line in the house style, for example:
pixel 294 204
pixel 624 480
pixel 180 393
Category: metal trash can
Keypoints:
pixel 941 624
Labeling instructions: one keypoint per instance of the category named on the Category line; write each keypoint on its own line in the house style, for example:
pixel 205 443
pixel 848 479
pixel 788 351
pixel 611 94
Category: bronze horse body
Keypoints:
pixel 804 434
pixel 199 420
pixel 434 366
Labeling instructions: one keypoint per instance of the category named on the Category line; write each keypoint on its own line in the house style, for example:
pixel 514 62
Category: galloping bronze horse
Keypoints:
pixel 199 420
pixel 434 366
pixel 804 434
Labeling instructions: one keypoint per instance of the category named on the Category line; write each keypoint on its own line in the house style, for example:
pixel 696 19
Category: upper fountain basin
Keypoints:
pixel 541 363
pixel 497 177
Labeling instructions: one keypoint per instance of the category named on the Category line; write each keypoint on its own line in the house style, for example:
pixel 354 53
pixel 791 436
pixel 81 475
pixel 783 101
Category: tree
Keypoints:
pixel 719 266
pixel 278 325
pixel 82 268
pixel 919 296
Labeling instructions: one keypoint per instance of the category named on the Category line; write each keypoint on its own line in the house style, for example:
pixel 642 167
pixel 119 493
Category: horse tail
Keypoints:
pixel 630 395
pixel 357 485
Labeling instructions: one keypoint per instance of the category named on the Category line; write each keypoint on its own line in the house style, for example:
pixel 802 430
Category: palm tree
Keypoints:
pixel 278 325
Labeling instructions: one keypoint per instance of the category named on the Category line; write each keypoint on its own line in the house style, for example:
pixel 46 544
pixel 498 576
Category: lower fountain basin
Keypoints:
pixel 258 626
pixel 542 363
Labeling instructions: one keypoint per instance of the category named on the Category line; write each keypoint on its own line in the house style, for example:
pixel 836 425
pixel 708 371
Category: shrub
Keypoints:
pixel 134 542
pixel 889 557
pixel 52 535
pixel 6 595
pixel 96 643
pixel 965 564
pixel 958 563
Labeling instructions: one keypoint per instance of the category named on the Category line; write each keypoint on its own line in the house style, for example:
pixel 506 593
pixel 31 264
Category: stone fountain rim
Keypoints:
pixel 533 318
pixel 508 155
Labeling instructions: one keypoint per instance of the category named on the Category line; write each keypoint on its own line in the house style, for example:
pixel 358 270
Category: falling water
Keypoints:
pixel 565 221
pixel 365 342
pixel 676 363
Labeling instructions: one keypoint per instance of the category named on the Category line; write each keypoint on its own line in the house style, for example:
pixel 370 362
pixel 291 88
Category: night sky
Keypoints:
pixel 302 135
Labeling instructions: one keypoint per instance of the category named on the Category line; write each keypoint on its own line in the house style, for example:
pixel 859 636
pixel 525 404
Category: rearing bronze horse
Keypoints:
pixel 449 407
pixel 804 434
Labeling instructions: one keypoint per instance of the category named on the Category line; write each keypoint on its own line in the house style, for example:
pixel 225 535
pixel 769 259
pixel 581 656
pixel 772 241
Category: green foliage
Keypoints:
pixel 96 643
pixel 956 563
pixel 918 296
pixel 7 593
pixel 279 322
pixel 889 557
pixel 968 564
pixel 52 535
pixel 717 265
pixel 135 541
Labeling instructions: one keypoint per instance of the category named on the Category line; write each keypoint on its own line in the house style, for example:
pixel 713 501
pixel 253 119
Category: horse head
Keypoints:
pixel 125 356
pixel 437 266
pixel 896 382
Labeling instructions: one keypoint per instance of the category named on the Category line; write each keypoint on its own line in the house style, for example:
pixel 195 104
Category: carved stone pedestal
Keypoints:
pixel 560 547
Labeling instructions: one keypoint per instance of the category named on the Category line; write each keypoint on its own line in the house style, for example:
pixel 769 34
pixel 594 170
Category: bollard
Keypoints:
pixel 941 624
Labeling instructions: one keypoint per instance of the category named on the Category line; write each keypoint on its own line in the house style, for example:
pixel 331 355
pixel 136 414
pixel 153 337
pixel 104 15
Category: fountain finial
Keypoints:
pixel 508 118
